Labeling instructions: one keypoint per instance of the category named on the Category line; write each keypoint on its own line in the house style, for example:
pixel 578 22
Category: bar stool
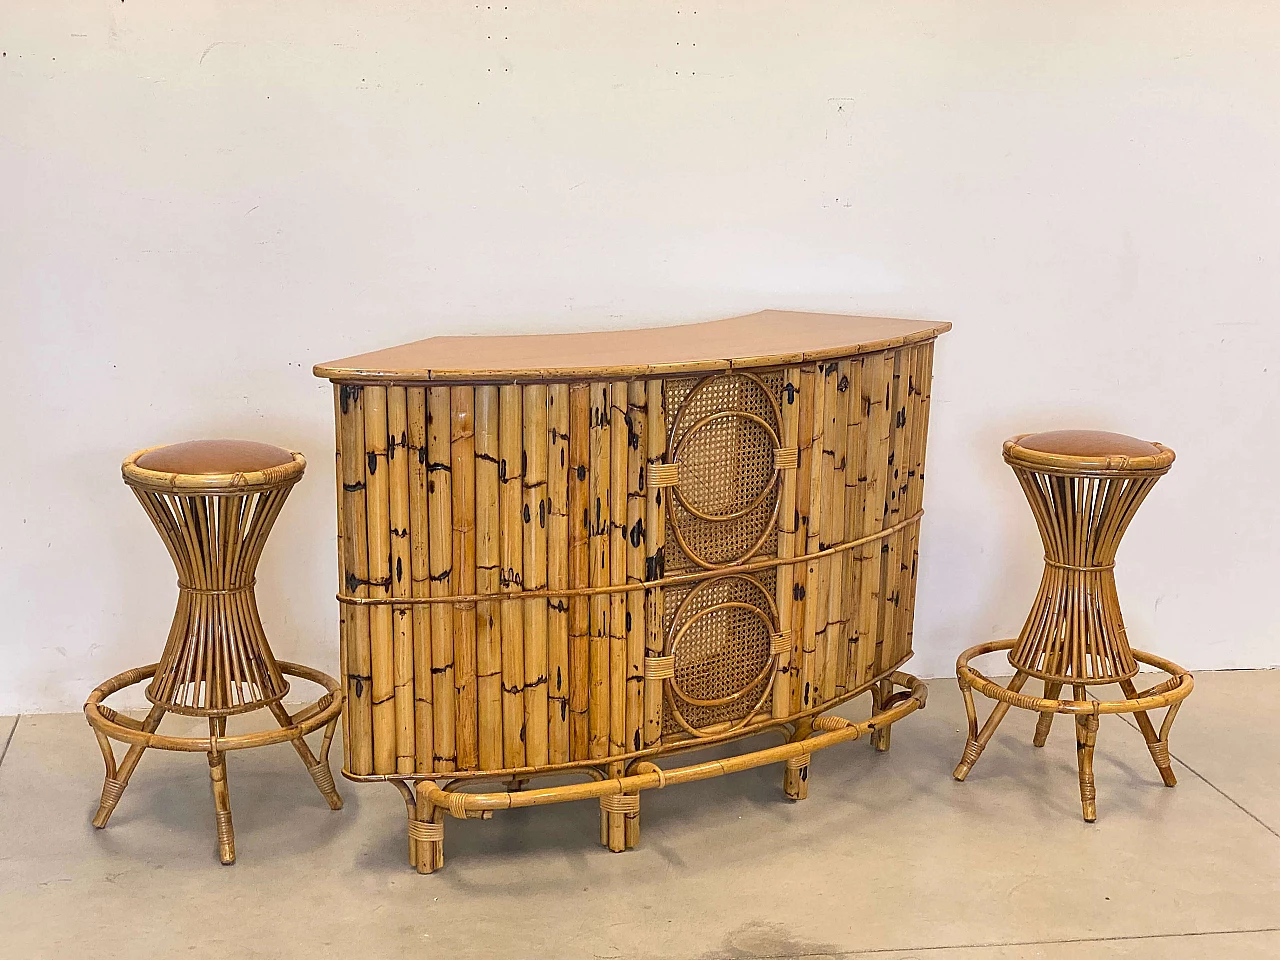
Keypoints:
pixel 1084 487
pixel 213 503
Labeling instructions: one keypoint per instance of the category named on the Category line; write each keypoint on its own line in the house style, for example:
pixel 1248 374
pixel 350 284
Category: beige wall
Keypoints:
pixel 202 199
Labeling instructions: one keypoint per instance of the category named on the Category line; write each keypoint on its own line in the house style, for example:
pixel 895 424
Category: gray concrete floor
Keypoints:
pixel 887 858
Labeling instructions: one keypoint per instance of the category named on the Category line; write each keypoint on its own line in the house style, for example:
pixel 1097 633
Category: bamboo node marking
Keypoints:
pixel 786 458
pixel 620 803
pixel 426 831
pixel 780 643
pixel 664 474
pixel 661 668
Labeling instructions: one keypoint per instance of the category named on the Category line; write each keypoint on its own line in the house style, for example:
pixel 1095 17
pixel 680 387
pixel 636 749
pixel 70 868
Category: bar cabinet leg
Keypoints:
pixel 978 742
pixel 117 778
pixel 880 737
pixel 1052 688
pixel 427 831
pixel 221 794
pixel 1159 748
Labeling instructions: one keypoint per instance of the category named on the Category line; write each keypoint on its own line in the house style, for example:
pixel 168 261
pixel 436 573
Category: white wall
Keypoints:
pixel 202 199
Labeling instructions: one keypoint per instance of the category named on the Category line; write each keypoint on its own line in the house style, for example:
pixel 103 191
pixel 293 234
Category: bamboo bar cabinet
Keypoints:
pixel 587 553
pixel 1084 487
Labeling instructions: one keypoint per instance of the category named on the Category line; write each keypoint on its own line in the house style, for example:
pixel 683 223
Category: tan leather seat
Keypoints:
pixel 209 457
pixel 1087 450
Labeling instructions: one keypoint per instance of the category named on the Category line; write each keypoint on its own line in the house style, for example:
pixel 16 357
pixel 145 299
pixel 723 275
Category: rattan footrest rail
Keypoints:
pixel 1167 694
pixel 115 726
pixel 428 803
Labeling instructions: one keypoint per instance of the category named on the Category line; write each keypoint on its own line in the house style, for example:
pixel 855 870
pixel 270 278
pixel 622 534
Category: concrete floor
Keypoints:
pixel 887 858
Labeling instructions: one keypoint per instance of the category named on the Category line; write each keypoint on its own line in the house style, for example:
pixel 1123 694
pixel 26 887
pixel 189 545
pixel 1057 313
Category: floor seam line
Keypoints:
pixel 1209 783
pixel 4 751
pixel 994 945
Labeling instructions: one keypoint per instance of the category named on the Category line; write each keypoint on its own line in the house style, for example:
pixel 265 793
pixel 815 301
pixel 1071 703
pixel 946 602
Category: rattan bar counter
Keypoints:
pixel 589 553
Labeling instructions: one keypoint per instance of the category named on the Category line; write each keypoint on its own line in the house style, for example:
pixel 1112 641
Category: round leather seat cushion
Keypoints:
pixel 1088 443
pixel 204 457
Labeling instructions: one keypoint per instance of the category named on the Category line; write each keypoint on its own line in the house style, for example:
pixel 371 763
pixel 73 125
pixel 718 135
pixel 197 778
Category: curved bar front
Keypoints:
pixel 585 553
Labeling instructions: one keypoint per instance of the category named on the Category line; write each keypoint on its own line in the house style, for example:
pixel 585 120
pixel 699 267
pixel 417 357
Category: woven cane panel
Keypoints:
pixel 725 651
pixel 726 465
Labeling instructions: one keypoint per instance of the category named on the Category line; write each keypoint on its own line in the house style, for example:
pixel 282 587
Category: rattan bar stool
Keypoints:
pixel 1084 488
pixel 213 503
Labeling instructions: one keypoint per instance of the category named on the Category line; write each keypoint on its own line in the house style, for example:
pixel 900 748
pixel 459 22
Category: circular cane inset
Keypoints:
pixel 720 640
pixel 724 437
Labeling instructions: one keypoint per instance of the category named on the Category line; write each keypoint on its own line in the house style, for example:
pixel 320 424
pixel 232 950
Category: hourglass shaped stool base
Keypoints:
pixel 1169 694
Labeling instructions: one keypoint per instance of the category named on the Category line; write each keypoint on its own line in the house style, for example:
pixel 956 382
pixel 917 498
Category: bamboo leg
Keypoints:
pixel 118 777
pixel 431 834
pixel 1051 690
pixel 795 779
pixel 319 769
pixel 411 805
pixel 880 738
pixel 1159 748
pixel 221 794
pixel 976 744
pixel 1086 738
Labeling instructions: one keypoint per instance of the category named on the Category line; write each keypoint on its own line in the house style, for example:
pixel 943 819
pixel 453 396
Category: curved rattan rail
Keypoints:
pixel 1167 694
pixel 428 805
pixel 107 723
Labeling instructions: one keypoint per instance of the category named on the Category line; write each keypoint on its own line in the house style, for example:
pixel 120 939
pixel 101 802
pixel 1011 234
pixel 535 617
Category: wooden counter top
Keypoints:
pixel 764 339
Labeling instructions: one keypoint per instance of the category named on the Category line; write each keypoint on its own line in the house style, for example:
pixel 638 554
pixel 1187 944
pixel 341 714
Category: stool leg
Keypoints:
pixel 221 794
pixel 319 769
pixel 118 777
pixel 978 740
pixel 1086 739
pixel 1159 748
pixel 1051 690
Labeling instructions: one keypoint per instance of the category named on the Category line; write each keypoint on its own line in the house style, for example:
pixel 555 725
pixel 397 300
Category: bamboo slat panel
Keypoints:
pixel 580 572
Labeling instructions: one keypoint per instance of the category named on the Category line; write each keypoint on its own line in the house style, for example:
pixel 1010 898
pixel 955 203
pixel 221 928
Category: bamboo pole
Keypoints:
pixel 599 556
pixel 786 578
pixel 462 449
pixel 558 570
pixel 894 490
pixel 420 561
pixel 511 575
pixel 633 541
pixel 440 541
pixel 346 614
pixel 401 577
pixel 580 568
pixel 821 532
pixel 535 574
pixel 877 381
pixel 488 566
pixel 815 614
pixel 379 530
pixel 799 571
pixel 835 655
pixel 613 823
pixel 855 482
pixel 655 560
